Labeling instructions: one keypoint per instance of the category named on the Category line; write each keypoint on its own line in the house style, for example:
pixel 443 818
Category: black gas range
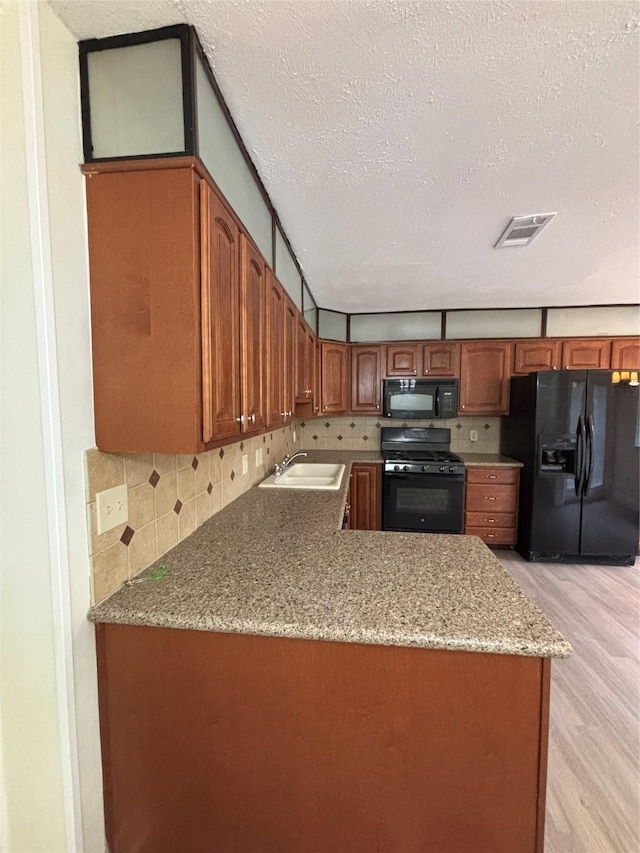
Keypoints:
pixel 423 481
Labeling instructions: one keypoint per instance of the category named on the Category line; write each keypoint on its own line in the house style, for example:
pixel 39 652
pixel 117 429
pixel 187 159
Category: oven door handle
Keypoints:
pixel 436 406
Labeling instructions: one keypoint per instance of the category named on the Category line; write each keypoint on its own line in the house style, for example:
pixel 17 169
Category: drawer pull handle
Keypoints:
pixel 490 498
pixel 491 477
pixel 490 520
pixel 490 535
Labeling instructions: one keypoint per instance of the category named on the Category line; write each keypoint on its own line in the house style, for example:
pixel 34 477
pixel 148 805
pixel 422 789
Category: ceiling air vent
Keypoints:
pixel 523 229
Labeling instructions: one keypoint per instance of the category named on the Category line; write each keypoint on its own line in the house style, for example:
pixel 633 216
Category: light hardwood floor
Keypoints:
pixel 593 788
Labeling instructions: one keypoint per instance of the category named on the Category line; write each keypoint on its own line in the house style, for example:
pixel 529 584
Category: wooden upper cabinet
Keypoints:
pixel 220 319
pixel 317 379
pixel 366 379
pixel 531 356
pixel 402 360
pixel 290 357
pixel 440 359
pixel 484 381
pixel 302 371
pixel 334 377
pixel 310 367
pixel 586 354
pixel 275 354
pixel 625 354
pixel 253 302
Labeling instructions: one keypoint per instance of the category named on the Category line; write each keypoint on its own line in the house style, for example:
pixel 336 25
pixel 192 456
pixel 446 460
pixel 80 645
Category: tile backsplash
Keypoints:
pixel 169 496
pixel 363 433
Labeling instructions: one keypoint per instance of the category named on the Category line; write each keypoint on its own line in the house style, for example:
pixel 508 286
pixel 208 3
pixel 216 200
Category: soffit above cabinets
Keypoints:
pixel 397 139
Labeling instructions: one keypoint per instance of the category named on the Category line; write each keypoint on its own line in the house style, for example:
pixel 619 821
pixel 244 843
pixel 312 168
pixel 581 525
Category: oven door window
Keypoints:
pixel 423 503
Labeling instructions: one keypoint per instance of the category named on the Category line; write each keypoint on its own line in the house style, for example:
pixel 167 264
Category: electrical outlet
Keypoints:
pixel 245 463
pixel 112 508
pixel 473 435
pixel 258 457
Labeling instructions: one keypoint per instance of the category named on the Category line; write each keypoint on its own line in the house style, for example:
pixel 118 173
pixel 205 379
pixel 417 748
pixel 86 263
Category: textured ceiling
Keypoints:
pixel 397 139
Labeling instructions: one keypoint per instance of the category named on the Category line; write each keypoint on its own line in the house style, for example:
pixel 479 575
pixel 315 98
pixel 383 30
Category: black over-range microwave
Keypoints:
pixel 423 399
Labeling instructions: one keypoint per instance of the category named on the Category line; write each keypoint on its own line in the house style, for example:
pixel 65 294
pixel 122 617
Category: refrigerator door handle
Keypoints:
pixel 580 443
pixel 590 442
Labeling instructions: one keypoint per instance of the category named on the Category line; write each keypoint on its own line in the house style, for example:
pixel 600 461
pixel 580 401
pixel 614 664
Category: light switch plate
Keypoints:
pixel 473 435
pixel 295 436
pixel 245 463
pixel 112 508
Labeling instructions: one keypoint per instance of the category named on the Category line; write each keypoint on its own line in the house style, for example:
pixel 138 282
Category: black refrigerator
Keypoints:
pixel 577 433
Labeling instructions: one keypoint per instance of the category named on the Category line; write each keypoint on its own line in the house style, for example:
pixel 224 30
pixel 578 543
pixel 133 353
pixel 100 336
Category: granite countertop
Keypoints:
pixel 493 460
pixel 276 563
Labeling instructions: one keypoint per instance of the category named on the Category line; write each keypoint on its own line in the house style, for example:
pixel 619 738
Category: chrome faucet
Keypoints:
pixel 281 467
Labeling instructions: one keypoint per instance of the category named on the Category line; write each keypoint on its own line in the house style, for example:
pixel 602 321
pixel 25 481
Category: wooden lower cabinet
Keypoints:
pixel 231 743
pixel 365 496
pixel 491 504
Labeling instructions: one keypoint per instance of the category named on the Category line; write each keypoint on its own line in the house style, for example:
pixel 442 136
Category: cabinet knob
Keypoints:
pixel 240 420
pixel 251 418
pixel 414 372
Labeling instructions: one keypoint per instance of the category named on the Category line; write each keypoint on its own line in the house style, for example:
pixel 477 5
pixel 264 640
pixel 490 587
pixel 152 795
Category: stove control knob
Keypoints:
pixel 396 467
pixel 442 468
pixel 405 468
pixel 452 470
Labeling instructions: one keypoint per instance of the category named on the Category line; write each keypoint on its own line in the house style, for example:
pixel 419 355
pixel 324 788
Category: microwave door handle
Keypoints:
pixel 437 402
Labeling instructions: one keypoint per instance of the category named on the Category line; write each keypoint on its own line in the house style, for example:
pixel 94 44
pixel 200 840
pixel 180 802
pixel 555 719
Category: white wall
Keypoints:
pixel 51 777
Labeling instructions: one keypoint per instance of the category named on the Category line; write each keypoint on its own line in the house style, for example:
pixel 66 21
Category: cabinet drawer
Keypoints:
pixel 492 475
pixel 489 520
pixel 482 498
pixel 499 536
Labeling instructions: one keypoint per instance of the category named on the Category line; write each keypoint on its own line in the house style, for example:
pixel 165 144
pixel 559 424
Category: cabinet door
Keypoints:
pixel 440 360
pixel 276 374
pixel 365 497
pixel 317 379
pixel 586 354
pixel 484 381
pixel 310 366
pixel 302 372
pixel 220 319
pixel 366 379
pixel 290 357
pixel 625 354
pixel 531 356
pixel 402 360
pixel 253 301
pixel 334 377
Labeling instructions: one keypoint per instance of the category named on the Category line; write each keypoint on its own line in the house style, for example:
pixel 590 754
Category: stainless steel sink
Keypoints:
pixel 307 475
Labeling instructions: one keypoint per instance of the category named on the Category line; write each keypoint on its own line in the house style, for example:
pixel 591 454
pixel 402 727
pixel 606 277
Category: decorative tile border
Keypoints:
pixel 169 496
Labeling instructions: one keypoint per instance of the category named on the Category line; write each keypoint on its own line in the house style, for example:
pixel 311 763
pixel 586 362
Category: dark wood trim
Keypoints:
pixel 545 693
pixel 189 94
pixel 443 326
pixel 543 323
pixel 273 242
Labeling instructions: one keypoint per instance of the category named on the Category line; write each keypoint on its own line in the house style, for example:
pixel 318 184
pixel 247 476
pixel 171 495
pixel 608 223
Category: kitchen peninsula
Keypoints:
pixel 290 686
